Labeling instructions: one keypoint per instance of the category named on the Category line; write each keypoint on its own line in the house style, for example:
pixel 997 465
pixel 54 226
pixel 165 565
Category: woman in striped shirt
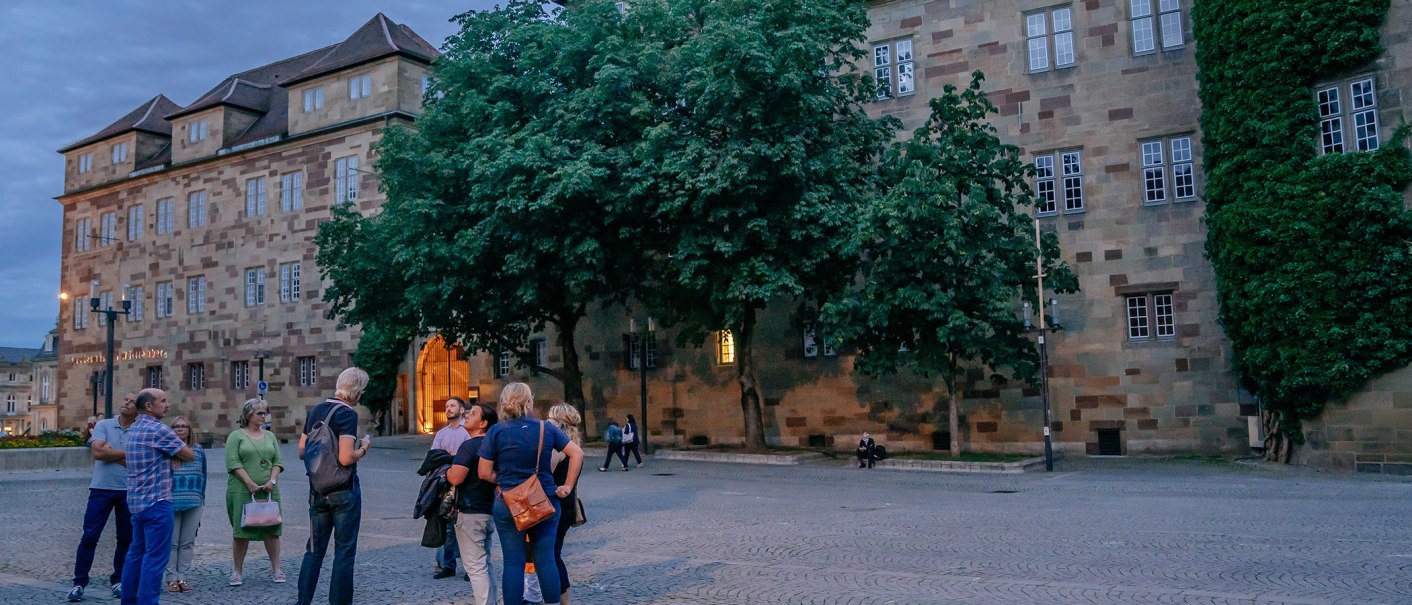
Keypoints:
pixel 188 498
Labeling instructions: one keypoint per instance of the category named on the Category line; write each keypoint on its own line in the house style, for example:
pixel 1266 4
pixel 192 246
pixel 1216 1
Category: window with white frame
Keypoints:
pixel 44 387
pixel 811 341
pixel 196 376
pixel 725 347
pixel 289 282
pixel 80 313
pixel 239 375
pixel 308 371
pixel 196 294
pixel 635 352
pixel 255 196
pixel 254 286
pixel 345 176
pixel 105 301
pixel 196 131
pixel 291 191
pixel 154 377
pixel 1150 315
pixel 1168 170
pixel 1060 187
pixel 1151 27
pixel 1050 31
pixel 10 403
pixel 1359 107
pixel 107 228
pixel 164 300
pixel 360 86
pixel 119 153
pixel 894 69
pixel 135 295
pixel 503 363
pixel 135 219
pixel 313 99
pixel 196 209
pixel 166 215
pixel 541 352
pixel 83 235
pixel 85 162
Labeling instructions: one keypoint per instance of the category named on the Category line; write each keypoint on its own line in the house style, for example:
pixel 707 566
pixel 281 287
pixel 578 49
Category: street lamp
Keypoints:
pixel 1043 349
pixel 260 356
pixel 640 351
pixel 111 316
pixel 94 380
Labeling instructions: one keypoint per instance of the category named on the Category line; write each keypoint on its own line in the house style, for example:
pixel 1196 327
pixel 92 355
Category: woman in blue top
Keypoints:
pixel 188 498
pixel 509 455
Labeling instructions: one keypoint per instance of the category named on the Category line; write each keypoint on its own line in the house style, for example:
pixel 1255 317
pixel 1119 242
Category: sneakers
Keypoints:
pixel 279 577
pixel 118 590
pixel 236 579
pixel 444 573
pixel 625 468
pixel 639 465
pixel 602 469
pixel 76 594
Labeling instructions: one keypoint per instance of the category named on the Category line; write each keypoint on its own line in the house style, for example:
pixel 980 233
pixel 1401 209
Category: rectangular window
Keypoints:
pixel 1168 170
pixel 289 282
pixel 239 375
pixel 119 153
pixel 894 69
pixel 291 191
pixel 313 99
pixel 635 351
pixel 360 86
pixel 196 209
pixel 308 371
pixel 1062 190
pixel 1147 26
pixel 541 352
pixel 254 286
pixel 1149 315
pixel 811 342
pixel 725 347
pixel 1046 30
pixel 255 196
pixel 107 228
pixel 85 163
pixel 136 296
pixel 80 313
pixel 345 176
pixel 1359 108
pixel 502 364
pixel 1363 108
pixel 154 377
pixel 165 291
pixel 166 215
pixel 196 295
pixel 83 235
pixel 196 376
pixel 196 131
pixel 135 221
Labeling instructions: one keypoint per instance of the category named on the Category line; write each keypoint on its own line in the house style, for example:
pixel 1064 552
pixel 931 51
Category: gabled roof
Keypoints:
pixel 379 37
pixel 233 91
pixel 16 355
pixel 148 117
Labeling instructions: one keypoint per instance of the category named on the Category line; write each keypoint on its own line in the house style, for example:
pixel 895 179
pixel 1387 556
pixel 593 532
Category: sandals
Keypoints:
pixel 178 586
pixel 279 577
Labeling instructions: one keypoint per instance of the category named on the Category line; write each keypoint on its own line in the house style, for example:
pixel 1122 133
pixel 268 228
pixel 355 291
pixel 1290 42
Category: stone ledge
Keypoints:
pixel 45 459
pixel 948 466
pixel 707 456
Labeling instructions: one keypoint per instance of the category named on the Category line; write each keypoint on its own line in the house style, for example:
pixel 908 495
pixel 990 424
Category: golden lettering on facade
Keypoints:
pixel 143 353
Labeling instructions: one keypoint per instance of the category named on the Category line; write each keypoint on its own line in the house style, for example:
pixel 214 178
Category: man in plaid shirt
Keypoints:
pixel 151 446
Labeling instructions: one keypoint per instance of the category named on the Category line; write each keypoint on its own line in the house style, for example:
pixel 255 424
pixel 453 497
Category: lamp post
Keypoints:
pixel 260 356
pixel 1043 349
pixel 93 380
pixel 111 316
pixel 641 352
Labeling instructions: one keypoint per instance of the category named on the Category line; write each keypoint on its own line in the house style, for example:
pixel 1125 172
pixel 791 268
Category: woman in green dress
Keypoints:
pixel 254 464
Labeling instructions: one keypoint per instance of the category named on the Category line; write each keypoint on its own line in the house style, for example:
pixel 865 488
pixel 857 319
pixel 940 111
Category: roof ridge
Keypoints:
pixel 386 35
pixel 152 104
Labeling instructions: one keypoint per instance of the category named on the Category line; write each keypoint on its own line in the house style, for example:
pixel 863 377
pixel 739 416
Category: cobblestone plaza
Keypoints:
pixel 1095 531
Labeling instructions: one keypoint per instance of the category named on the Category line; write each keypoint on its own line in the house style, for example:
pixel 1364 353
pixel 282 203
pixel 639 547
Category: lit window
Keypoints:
pixel 196 209
pixel 1168 170
pixel 254 286
pixel 1151 314
pixel 1147 27
pixel 894 69
pixel 135 220
pixel 255 196
pixel 345 176
pixel 313 99
pixel 196 131
pixel 725 347
pixel 166 215
pixel 291 191
pixel 1046 30
pixel 289 282
pixel 196 295
pixel 1061 188
pixel 360 86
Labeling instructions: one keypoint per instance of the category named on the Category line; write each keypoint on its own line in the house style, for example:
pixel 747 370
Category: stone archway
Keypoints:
pixel 442 372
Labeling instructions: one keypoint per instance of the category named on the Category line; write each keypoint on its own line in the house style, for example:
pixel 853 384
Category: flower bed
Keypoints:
pixel 45 439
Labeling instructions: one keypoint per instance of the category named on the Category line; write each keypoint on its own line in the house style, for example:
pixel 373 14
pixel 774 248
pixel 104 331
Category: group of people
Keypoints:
pixel 150 478
pixel 621 440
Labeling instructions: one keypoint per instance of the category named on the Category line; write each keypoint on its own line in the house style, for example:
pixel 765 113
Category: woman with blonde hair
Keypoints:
pixel 254 464
pixel 512 453
pixel 567 419
pixel 188 500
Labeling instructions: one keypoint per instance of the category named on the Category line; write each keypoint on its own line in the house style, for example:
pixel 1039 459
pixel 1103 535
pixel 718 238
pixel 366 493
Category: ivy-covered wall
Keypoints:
pixel 1312 252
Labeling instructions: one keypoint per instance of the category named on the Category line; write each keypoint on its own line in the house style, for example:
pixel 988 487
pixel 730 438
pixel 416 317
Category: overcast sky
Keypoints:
pixel 72 67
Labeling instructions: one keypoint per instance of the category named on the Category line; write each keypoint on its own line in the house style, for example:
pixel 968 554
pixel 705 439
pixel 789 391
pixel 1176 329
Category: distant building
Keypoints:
pixel 16 390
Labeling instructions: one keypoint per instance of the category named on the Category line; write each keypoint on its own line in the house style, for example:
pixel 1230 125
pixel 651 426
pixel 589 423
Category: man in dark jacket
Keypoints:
pixel 865 451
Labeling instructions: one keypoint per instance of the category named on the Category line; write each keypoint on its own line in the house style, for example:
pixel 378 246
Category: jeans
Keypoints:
pixel 513 552
pixel 338 515
pixel 102 502
pixel 447 553
pixel 474 533
pixel 615 448
pixel 147 558
pixel 188 522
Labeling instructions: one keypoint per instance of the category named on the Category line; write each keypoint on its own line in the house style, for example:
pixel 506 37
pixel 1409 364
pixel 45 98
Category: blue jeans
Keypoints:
pixel 148 556
pixel 447 553
pixel 338 515
pixel 101 503
pixel 540 548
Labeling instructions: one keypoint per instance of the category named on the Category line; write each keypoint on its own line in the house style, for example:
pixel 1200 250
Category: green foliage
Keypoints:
pixel 1311 252
pixel 380 352
pixel 45 439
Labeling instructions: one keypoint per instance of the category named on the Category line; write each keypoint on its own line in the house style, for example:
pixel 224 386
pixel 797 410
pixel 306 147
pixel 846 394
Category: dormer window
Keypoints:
pixel 360 86
pixel 120 153
pixel 313 99
pixel 196 132
pixel 85 163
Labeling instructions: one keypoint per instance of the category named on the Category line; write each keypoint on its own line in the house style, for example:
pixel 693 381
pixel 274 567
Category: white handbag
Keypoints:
pixel 260 513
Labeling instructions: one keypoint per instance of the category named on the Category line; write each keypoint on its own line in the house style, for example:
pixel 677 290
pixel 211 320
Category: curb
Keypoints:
pixel 46 459
pixel 776 459
pixel 947 466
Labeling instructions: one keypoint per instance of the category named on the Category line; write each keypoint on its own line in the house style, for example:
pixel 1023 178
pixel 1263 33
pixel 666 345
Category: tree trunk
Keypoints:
pixel 749 390
pixel 1278 446
pixel 572 375
pixel 953 423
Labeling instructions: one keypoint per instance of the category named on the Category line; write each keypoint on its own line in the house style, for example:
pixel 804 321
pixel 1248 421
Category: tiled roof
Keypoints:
pixel 148 117
pixel 377 38
pixel 233 91
pixel 17 354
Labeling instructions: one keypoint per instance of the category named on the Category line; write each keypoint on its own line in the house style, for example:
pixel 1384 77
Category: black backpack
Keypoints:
pixel 321 455
pixel 879 452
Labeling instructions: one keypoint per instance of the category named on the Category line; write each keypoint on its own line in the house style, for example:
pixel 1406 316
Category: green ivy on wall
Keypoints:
pixel 1312 253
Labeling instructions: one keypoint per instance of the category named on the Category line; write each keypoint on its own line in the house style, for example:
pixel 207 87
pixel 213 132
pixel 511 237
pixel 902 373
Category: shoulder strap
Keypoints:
pixel 539 448
pixel 332 409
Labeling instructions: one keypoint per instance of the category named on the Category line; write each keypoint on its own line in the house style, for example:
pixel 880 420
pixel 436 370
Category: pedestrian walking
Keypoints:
pixel 567 419
pixel 515 450
pixel 474 504
pixel 336 511
pixel 188 500
pixel 630 441
pixel 107 496
pixel 449 440
pixel 254 465
pixel 613 436
pixel 151 448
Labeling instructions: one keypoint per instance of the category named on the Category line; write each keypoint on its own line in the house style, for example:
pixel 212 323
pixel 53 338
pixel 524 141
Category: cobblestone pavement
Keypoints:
pixel 1119 531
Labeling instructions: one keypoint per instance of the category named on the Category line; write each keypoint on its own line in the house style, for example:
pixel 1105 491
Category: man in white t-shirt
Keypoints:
pixel 449 439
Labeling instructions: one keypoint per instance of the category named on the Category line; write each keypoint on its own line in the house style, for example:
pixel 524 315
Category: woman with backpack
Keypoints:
pixel 614 436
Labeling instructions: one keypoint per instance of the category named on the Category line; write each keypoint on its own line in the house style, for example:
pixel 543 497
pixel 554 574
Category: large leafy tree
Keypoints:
pixel 505 209
pixel 759 164
pixel 949 251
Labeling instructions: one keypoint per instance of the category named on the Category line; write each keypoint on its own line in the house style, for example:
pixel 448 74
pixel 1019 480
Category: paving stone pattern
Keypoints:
pixel 677 532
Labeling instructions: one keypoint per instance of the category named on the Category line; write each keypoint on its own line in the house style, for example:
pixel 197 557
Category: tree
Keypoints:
pixel 949 251
pixel 762 157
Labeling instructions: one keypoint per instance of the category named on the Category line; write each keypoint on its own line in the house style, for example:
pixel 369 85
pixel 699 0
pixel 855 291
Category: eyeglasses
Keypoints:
pixel 180 426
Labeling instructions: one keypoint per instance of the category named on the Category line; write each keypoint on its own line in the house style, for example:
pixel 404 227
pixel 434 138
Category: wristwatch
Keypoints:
pixel 274 481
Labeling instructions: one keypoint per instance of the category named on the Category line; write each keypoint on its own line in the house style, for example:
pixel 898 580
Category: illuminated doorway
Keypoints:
pixel 442 372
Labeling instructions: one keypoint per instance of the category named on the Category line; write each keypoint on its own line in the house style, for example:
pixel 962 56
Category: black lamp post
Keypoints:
pixel 641 350
pixel 260 356
pixel 111 316
pixel 93 380
pixel 1044 373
